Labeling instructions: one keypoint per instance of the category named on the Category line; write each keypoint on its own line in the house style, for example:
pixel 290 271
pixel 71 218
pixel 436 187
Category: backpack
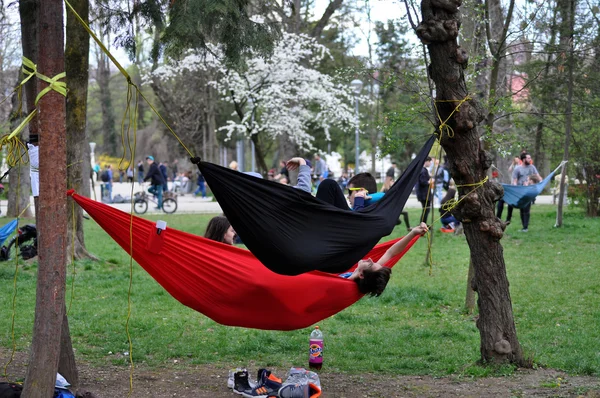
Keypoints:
pixel 104 176
pixel 10 390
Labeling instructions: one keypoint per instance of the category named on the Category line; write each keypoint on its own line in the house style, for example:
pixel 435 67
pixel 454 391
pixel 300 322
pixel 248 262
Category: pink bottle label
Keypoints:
pixel 315 351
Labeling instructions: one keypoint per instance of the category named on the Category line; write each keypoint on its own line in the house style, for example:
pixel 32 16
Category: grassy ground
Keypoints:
pixel 418 326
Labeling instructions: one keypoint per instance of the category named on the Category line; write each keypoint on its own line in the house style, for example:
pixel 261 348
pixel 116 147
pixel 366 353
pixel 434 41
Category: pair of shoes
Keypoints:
pixel 309 390
pixel 446 230
pixel 157 208
pixel 524 230
pixel 268 385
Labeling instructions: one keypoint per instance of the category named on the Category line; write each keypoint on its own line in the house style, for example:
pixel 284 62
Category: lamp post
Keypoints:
pixel 356 89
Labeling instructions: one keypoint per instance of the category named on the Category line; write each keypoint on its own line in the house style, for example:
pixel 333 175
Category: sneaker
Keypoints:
pixel 241 384
pixel 302 376
pixel 268 386
pixel 299 391
pixel 446 230
pixel 524 230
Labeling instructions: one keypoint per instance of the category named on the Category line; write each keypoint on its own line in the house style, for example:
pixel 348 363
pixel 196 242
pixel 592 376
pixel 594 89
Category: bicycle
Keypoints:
pixel 141 199
pixel 25 242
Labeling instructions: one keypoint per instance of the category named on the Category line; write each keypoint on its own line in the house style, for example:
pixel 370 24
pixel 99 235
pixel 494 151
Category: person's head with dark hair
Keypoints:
pixel 363 180
pixel 220 230
pixel 372 277
pixel 526 158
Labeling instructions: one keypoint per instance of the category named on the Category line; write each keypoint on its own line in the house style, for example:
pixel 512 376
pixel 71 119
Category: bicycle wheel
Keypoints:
pixel 140 206
pixel 25 244
pixel 169 205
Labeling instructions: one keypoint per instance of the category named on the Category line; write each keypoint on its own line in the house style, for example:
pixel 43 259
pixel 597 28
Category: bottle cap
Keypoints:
pixel 160 224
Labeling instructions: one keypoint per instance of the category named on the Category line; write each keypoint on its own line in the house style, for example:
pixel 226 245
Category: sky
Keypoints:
pixel 381 10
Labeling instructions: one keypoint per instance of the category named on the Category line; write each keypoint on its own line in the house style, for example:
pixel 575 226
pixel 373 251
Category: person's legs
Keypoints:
pixel 426 208
pixel 329 191
pixel 202 188
pixel 159 196
pixel 509 213
pixel 525 214
pixel 500 208
pixel 405 216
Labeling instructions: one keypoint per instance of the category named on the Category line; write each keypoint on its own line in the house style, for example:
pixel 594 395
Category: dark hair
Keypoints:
pixel 364 180
pixel 428 159
pixel 216 228
pixel 524 155
pixel 373 283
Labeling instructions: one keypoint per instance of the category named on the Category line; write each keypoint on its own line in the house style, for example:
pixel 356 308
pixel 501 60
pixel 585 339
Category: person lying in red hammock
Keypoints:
pixel 372 277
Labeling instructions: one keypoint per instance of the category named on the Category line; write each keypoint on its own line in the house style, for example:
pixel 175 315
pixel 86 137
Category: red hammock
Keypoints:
pixel 226 283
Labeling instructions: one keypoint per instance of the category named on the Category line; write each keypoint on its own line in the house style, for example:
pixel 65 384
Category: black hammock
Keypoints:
pixel 291 232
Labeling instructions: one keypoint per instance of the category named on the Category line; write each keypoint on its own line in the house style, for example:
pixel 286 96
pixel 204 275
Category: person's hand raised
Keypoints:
pixel 295 163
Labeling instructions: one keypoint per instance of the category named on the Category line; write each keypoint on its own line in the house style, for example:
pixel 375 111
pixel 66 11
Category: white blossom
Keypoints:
pixel 286 91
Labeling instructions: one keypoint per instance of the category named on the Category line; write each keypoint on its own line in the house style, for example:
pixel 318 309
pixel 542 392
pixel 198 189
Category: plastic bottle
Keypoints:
pixel 315 349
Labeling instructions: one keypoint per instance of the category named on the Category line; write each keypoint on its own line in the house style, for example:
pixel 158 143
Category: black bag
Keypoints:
pixel 10 390
pixel 104 176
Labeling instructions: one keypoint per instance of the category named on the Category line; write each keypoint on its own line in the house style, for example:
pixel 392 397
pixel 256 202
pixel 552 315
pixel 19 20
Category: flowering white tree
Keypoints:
pixel 286 93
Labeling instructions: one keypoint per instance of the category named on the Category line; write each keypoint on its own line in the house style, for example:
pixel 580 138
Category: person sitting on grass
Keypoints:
pixel 373 277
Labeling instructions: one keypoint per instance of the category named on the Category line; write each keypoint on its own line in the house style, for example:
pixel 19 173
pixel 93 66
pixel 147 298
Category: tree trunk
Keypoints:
pixel 567 32
pixel 469 164
pixel 52 227
pixel 110 144
pixel 19 190
pixel 18 197
pixel 77 64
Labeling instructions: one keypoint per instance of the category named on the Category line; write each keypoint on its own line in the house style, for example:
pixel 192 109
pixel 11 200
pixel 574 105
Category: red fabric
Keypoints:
pixel 226 283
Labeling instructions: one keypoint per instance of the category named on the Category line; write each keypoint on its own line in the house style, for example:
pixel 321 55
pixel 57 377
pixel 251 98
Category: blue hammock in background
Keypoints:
pixel 520 196
pixel 7 230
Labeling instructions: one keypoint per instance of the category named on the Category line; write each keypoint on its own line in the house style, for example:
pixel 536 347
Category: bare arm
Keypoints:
pixel 399 246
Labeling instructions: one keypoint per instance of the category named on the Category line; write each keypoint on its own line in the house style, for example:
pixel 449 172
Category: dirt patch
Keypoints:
pixel 210 381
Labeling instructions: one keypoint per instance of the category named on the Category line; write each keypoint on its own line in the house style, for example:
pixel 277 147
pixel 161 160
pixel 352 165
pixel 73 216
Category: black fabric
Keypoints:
pixel 329 191
pixel 291 232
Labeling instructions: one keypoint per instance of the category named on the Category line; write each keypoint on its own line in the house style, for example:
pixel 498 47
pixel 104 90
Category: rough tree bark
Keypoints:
pixel 52 227
pixel 469 163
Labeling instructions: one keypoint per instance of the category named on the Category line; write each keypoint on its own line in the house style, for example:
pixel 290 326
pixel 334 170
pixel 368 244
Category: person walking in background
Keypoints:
pixel 140 171
pixel 442 178
pixel 130 174
pixel 521 176
pixel 156 180
pixel 424 188
pixel 174 169
pixel 201 186
pixel 390 177
pixel 163 169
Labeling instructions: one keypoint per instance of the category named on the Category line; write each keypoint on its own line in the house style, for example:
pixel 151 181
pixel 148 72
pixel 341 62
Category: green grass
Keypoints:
pixel 418 326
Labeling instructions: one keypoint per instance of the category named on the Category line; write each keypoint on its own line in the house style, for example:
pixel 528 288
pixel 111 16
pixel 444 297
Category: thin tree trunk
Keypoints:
pixel 469 163
pixel 77 64
pixel 570 27
pixel 52 227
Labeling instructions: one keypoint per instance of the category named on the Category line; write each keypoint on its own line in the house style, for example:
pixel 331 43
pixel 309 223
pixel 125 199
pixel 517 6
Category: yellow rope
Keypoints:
pixel 443 126
pixel 15 278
